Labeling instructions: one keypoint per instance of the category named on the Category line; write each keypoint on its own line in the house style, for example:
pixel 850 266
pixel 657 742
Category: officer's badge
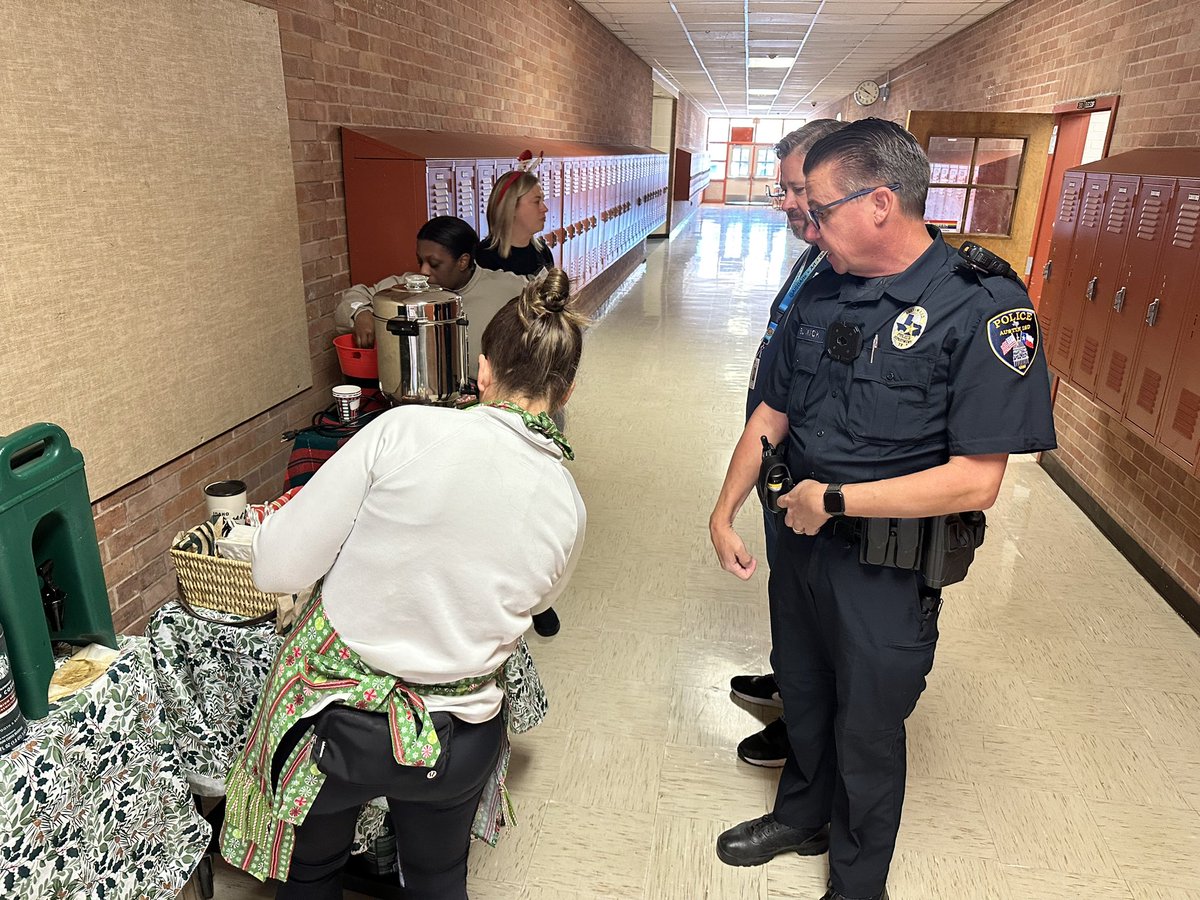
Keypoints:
pixel 908 327
pixel 1014 338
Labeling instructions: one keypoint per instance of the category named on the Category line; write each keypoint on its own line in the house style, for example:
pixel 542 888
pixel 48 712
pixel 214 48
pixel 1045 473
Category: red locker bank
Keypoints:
pixel 603 199
pixel 1121 305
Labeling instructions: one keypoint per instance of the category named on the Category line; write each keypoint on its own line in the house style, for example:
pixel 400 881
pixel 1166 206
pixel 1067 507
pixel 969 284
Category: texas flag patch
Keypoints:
pixel 1014 338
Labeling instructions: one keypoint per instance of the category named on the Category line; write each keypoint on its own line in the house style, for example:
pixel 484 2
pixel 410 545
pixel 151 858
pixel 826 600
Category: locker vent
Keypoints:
pixel 1186 414
pixel 1116 372
pixel 1147 397
pixel 1148 221
pixel 1065 341
pixel 1185 224
pixel 1093 207
pixel 1087 359
pixel 1069 204
pixel 1118 213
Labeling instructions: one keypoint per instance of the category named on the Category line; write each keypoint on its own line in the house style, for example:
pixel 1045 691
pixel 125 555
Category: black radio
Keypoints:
pixel 984 261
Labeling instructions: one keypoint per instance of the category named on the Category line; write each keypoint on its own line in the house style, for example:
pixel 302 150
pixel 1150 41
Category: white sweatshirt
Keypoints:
pixel 441 531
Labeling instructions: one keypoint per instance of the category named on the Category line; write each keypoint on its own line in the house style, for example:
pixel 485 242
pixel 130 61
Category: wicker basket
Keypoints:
pixel 214 582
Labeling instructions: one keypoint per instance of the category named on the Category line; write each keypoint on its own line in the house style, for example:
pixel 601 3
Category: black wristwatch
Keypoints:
pixel 835 500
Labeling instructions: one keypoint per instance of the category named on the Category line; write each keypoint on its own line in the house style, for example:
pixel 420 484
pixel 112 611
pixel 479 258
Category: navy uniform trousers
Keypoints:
pixel 852 645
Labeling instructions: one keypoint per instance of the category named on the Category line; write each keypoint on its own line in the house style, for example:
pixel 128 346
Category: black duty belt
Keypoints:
pixel 940 548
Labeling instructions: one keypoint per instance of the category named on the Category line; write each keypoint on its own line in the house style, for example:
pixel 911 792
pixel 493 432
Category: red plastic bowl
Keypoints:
pixel 357 362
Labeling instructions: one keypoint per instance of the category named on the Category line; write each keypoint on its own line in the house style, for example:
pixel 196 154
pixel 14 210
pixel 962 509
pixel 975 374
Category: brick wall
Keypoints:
pixel 1026 58
pixel 691 125
pixel 537 67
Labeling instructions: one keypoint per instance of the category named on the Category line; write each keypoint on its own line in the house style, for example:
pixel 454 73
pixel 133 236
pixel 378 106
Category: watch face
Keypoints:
pixel 866 93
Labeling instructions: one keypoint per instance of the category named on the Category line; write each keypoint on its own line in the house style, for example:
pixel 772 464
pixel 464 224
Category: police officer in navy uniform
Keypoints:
pixel 768 747
pixel 904 380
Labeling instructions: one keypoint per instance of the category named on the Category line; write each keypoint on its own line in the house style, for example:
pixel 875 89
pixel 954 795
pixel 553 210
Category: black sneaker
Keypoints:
pixel 546 623
pixel 767 748
pixel 760 689
pixel 831 894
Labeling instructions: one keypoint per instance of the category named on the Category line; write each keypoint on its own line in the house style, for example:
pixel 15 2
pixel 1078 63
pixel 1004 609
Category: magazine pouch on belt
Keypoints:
pixel 941 548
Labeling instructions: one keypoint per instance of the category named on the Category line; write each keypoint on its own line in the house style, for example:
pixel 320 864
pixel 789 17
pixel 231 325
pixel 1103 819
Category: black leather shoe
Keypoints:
pixel 831 894
pixel 761 840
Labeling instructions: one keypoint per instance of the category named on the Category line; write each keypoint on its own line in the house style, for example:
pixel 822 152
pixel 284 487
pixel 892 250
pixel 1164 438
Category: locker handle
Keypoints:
pixel 1152 312
pixel 1046 269
pixel 1119 300
pixel 1091 288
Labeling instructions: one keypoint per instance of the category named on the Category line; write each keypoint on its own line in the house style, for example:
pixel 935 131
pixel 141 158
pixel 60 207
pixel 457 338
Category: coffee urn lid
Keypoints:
pixel 417 299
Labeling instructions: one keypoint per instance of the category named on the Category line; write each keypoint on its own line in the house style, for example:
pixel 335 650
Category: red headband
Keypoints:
pixel 511 181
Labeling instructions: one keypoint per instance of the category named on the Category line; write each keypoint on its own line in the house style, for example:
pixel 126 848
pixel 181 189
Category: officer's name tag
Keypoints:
pixel 811 333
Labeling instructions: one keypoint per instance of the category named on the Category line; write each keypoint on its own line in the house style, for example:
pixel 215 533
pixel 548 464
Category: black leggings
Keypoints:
pixel 432 819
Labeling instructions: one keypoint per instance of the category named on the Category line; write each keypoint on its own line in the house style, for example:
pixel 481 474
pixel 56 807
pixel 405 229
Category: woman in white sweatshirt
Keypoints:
pixel 439 533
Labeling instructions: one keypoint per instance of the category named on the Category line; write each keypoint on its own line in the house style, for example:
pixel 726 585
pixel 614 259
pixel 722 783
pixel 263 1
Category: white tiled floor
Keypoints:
pixel 1055 754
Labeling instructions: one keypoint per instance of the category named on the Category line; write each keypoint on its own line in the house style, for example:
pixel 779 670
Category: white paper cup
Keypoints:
pixel 347 397
pixel 227 497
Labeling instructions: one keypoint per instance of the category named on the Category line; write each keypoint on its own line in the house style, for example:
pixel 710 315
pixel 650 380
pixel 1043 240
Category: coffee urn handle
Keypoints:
pixel 403 327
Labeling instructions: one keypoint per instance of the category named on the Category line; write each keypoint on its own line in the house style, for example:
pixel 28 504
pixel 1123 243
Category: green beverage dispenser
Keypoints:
pixel 51 579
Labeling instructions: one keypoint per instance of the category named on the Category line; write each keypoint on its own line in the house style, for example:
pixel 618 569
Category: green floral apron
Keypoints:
pixel 313 668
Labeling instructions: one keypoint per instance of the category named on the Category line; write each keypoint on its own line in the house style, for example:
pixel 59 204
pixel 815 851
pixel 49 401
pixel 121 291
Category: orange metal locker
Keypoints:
pixel 1176 306
pixel 1058 265
pixel 1103 287
pixel 1124 330
pixel 1080 286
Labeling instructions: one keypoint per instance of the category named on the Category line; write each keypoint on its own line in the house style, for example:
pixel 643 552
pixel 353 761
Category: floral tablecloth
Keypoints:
pixel 209 677
pixel 94 804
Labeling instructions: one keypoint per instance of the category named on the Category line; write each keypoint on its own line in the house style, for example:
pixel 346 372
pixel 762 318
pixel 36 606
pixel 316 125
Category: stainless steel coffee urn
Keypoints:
pixel 420 342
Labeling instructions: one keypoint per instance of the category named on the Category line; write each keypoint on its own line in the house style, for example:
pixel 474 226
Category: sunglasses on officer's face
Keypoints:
pixel 816 213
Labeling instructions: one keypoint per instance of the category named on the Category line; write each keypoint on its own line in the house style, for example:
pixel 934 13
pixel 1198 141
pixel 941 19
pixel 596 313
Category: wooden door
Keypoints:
pixel 1066 150
pixel 987 171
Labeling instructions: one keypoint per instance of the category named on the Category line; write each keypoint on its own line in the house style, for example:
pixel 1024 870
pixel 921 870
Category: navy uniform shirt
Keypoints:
pixel 951 365
pixel 767 348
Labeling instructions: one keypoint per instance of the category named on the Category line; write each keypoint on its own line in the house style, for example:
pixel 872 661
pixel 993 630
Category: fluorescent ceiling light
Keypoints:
pixel 763 62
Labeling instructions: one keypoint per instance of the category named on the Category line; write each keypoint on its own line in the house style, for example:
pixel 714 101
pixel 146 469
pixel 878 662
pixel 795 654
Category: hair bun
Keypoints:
pixel 548 295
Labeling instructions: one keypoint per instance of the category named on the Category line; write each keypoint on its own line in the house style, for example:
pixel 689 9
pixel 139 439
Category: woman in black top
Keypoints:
pixel 516 213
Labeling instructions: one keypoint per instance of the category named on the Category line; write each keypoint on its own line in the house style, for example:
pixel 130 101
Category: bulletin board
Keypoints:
pixel 151 295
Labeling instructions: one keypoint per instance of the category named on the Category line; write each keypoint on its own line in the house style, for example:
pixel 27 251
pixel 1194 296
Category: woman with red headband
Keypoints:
pixel 516 213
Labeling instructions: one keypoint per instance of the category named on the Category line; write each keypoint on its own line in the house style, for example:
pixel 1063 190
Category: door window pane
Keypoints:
pixel 944 208
pixel 989 211
pixel 950 159
pixel 739 161
pixel 764 162
pixel 718 150
pixel 718 129
pixel 998 161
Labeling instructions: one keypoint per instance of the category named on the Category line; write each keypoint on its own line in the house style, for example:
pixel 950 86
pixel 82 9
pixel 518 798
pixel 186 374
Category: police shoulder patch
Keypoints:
pixel 908 327
pixel 1014 337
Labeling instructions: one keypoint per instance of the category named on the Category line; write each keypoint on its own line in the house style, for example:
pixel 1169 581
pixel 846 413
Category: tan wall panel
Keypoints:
pixel 150 287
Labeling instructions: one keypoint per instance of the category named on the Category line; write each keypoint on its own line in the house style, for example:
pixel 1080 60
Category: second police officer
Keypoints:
pixel 902 383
